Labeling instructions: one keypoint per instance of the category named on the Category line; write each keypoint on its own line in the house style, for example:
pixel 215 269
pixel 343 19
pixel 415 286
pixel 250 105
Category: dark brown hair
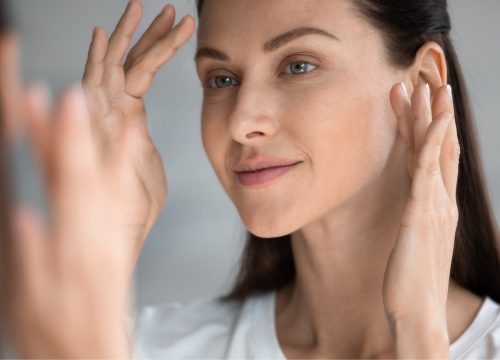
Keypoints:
pixel 268 264
pixel 4 18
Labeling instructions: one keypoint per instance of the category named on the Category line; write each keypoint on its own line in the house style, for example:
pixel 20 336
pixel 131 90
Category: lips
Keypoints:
pixel 263 172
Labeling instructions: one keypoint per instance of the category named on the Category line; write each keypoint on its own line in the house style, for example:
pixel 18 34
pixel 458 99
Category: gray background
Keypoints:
pixel 194 248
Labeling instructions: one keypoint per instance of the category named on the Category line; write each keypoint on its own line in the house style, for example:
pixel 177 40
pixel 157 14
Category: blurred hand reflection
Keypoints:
pixel 68 281
pixel 69 290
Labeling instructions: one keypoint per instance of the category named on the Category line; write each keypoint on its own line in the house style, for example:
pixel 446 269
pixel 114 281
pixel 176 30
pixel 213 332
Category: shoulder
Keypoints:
pixel 481 340
pixel 191 329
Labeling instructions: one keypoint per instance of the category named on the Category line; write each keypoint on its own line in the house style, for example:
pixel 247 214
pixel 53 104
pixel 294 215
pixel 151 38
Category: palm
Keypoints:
pixel 114 90
pixel 147 186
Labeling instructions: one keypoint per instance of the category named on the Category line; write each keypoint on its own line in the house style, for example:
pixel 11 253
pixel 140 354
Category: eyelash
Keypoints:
pixel 208 80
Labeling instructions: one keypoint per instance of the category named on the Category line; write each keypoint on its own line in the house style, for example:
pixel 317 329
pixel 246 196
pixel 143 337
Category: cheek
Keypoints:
pixel 212 142
pixel 216 142
pixel 363 143
pixel 348 136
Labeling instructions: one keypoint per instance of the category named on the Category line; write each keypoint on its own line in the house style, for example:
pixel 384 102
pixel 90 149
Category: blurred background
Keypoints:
pixel 194 248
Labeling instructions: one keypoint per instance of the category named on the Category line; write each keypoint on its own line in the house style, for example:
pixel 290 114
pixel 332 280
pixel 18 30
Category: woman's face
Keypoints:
pixel 318 100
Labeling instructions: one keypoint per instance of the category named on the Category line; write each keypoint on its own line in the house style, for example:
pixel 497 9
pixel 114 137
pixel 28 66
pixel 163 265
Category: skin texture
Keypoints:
pixel 115 82
pixel 61 304
pixel 105 184
pixel 371 208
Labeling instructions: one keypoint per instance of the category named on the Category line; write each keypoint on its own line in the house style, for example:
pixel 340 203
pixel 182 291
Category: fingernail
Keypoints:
pixel 166 9
pixel 40 95
pixel 94 32
pixel 184 18
pixel 77 98
pixel 449 91
pixel 404 91
pixel 129 5
pixel 428 90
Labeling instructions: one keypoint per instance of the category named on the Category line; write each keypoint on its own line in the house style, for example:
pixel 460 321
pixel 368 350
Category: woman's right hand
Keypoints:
pixel 114 91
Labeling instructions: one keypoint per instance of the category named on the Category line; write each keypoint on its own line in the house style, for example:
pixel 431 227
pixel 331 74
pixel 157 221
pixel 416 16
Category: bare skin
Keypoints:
pixel 68 294
pixel 60 303
pixel 371 207
pixel 115 82
pixel 10 85
pixel 298 340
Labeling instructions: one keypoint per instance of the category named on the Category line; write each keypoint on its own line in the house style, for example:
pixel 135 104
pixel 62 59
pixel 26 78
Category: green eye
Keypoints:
pixel 219 82
pixel 299 67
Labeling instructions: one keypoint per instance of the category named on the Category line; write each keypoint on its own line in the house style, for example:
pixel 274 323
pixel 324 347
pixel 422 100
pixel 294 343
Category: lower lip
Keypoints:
pixel 255 178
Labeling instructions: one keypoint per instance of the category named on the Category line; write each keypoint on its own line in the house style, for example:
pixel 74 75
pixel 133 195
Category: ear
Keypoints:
pixel 429 67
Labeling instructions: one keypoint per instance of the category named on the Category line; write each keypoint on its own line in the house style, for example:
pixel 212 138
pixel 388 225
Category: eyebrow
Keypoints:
pixel 272 45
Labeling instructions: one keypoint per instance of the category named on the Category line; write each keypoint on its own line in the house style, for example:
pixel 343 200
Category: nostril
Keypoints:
pixel 254 134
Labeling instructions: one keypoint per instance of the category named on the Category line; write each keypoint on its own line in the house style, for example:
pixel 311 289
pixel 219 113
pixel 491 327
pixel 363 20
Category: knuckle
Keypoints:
pixel 432 168
pixel 125 36
pixel 455 152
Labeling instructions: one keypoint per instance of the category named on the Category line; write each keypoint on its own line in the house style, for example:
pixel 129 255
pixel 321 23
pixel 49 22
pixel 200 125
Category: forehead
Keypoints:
pixel 249 22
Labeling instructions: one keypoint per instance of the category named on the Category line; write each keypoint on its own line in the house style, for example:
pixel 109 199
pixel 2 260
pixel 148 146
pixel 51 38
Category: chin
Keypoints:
pixel 268 227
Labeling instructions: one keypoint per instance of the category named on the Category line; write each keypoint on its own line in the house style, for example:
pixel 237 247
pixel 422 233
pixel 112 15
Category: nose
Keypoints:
pixel 253 118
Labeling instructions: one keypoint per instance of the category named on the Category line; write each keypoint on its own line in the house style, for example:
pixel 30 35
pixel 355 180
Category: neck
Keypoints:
pixel 334 308
pixel 336 300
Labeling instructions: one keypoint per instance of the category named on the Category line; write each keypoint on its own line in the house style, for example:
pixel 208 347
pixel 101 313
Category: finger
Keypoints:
pixel 140 77
pixel 402 109
pixel 94 67
pixel 428 171
pixel 29 251
pixel 158 28
pixel 37 110
pixel 10 84
pixel 450 152
pixel 422 114
pixel 75 179
pixel 120 39
pixel 401 106
pixel 73 150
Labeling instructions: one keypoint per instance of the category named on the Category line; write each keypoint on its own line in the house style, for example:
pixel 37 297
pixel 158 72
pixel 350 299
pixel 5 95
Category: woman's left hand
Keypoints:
pixel 417 275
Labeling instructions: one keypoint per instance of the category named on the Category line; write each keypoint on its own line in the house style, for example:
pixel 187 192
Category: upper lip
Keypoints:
pixel 256 164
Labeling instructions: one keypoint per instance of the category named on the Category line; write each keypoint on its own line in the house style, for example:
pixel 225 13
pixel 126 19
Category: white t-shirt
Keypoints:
pixel 206 329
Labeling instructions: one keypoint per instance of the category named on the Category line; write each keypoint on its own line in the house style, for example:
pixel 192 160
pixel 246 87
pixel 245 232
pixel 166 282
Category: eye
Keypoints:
pixel 299 67
pixel 296 68
pixel 219 82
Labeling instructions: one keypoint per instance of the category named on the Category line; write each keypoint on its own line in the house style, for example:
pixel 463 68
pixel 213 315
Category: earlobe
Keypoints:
pixel 429 67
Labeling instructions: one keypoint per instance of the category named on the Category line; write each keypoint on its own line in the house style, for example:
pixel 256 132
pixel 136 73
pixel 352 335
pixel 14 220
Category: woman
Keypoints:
pixel 355 173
